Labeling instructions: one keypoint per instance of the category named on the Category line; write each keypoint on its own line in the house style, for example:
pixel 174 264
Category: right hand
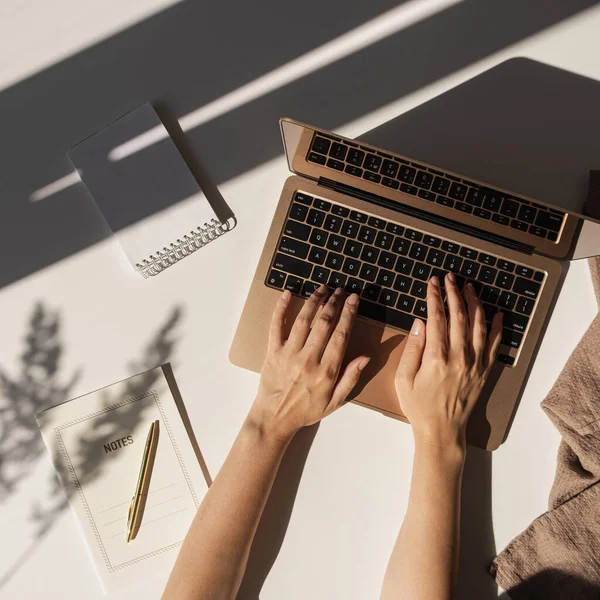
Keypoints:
pixel 444 365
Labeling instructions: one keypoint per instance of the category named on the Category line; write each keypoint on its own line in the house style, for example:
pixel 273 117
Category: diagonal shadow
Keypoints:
pixel 191 54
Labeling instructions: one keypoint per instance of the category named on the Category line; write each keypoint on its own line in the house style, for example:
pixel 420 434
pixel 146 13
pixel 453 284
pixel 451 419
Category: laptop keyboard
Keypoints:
pixel 435 186
pixel 389 266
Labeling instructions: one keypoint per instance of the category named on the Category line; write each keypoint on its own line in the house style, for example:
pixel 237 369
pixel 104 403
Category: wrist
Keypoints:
pixel 261 428
pixel 450 453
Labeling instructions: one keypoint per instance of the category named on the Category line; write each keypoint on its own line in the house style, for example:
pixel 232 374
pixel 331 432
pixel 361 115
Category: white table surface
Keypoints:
pixel 354 488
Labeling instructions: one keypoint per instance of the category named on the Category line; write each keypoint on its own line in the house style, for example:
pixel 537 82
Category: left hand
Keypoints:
pixel 300 381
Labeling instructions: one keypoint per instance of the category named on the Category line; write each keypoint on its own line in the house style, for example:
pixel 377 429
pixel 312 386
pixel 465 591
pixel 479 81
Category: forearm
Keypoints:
pixel 424 562
pixel 213 558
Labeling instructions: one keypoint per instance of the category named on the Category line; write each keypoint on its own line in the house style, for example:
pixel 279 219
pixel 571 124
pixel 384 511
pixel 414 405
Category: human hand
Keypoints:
pixel 444 365
pixel 300 382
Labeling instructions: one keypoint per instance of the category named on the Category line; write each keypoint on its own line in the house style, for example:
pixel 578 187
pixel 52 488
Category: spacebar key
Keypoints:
pixel 386 315
pixel 292 265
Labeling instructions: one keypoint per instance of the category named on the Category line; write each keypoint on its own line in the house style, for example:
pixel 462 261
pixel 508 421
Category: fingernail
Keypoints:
pixel 470 287
pixel 435 282
pixel 416 328
pixel 363 363
pixel 452 277
pixel 338 292
pixel 501 316
pixel 321 290
pixel 352 300
pixel 286 295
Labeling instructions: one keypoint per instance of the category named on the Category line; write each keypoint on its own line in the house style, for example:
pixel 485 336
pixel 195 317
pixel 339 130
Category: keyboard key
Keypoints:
pixel 421 271
pixel 405 303
pixel 338 151
pixel 492 201
pixel 349 229
pixel 355 157
pixel 552 236
pixel 519 225
pixel 440 274
pixel 297 230
pixel 527 213
pixel 293 247
pixel 320 274
pixel 372 163
pixel 371 177
pixel 537 231
pixel 506 359
pixel 370 254
pixel 418 251
pixel 386 315
pixel 368 272
pixel 317 255
pixel 427 195
pixel 389 168
pixel 432 241
pixel 457 191
pixel 463 207
pixel 435 257
pixel 490 294
pixel 321 145
pixel 497 218
pixel 409 189
pixel 444 201
pixel 340 211
pixel 507 301
pixel 475 196
pixel 336 280
pixel 294 284
pixel 335 242
pixel 352 170
pixel 338 165
pixel 400 246
pixel 394 228
pixel 504 280
pixel 524 305
pixel 316 158
pixel 371 292
pixel 413 235
pixel 524 271
pixel 489 311
pixel 421 309
pixel 391 183
pixel 384 240
pixel 276 278
pixel 452 263
pixel 514 321
pixel 549 220
pixel 423 180
pixel 469 253
pixel 309 288
pixel 334 260
pixel 385 278
pixel 358 216
pixel 376 222
pixel 407 174
pixel 303 198
pixel 386 260
pixel 487 275
pixel 538 276
pixel 509 208
pixel 354 285
pixel 419 289
pixel 450 247
pixel 388 297
pixel 353 248
pixel 298 211
pixel 482 213
pixel 333 223
pixel 469 269
pixel 404 265
pixel 315 217
pixel 526 287
pixel 367 234
pixel 487 259
pixel 403 283
pixel 506 265
pixel 440 186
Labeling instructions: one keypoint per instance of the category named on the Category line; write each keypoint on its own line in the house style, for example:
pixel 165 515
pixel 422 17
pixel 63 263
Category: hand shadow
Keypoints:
pixel 477 543
pixel 276 515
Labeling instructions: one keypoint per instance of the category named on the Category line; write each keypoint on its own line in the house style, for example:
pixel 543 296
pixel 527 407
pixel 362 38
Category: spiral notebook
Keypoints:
pixel 145 191
pixel 97 445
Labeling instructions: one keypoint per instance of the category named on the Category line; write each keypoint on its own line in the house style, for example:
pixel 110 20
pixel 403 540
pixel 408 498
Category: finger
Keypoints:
pixel 347 382
pixel 303 322
pixel 436 343
pixel 414 343
pixel 338 342
pixel 493 341
pixel 458 327
pixel 324 324
pixel 477 326
pixel 276 337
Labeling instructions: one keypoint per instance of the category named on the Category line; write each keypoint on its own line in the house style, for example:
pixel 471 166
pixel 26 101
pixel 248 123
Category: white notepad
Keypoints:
pixel 96 442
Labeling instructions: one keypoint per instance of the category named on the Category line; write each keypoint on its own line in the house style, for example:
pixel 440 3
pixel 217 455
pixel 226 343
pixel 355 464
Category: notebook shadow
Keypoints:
pixel 276 515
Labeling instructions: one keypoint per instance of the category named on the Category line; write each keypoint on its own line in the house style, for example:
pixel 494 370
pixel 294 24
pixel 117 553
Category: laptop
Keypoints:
pixel 381 224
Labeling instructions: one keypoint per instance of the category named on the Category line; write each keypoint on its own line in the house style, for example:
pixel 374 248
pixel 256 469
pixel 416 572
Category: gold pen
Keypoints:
pixel 138 502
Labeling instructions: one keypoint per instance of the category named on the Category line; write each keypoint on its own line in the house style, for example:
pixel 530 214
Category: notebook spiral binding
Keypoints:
pixel 197 238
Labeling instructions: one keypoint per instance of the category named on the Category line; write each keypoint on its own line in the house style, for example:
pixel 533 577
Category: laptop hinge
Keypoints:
pixel 425 216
